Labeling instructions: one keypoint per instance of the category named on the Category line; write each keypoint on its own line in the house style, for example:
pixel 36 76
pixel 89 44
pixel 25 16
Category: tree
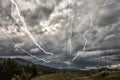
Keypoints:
pixel 34 70
pixel 9 69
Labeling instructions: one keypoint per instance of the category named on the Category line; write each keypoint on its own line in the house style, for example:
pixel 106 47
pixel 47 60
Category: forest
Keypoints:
pixel 12 70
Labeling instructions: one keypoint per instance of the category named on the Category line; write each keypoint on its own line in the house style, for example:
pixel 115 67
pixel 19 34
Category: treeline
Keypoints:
pixel 11 70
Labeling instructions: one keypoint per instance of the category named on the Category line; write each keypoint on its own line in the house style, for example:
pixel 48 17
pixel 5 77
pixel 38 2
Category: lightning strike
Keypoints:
pixel 70 39
pixel 71 28
pixel 90 27
pixel 23 50
pixel 25 27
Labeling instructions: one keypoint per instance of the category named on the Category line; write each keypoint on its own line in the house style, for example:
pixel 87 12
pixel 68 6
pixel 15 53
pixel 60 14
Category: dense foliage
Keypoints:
pixel 10 70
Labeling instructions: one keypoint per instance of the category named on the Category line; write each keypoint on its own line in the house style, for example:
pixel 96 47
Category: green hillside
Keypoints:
pixel 109 75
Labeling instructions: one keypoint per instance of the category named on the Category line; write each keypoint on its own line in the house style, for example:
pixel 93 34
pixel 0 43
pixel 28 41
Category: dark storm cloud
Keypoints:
pixel 109 14
pixel 49 23
pixel 38 14
pixel 42 11
pixel 82 63
pixel 97 58
pixel 116 59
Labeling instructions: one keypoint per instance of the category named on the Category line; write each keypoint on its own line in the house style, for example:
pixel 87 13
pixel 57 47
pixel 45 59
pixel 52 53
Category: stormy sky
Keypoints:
pixel 50 22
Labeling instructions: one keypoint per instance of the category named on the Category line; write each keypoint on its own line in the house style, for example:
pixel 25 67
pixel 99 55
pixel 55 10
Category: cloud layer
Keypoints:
pixel 50 22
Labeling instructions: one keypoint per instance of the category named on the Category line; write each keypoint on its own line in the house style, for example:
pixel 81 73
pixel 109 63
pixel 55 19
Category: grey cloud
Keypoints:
pixel 109 14
pixel 49 22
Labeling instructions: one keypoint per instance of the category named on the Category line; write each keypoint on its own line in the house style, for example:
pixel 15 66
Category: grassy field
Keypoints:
pixel 109 75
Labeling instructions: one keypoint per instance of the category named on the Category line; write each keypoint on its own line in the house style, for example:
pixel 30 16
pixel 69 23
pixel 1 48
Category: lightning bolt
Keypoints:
pixel 70 40
pixel 25 27
pixel 70 31
pixel 23 50
pixel 90 27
